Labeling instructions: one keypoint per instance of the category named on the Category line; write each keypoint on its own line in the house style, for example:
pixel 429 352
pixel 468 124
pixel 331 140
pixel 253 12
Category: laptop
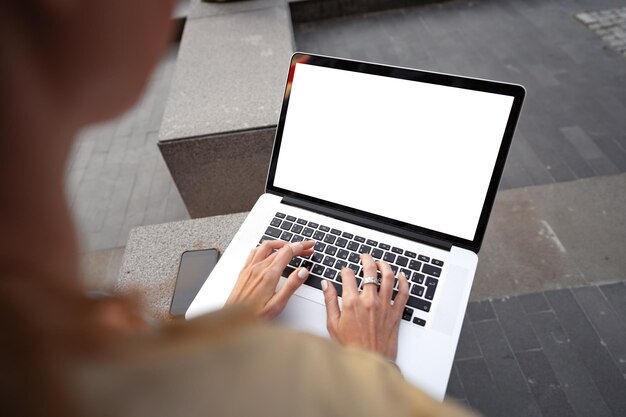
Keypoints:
pixel 400 163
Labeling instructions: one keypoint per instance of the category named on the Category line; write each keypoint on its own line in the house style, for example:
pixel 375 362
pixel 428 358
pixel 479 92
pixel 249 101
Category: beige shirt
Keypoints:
pixel 230 364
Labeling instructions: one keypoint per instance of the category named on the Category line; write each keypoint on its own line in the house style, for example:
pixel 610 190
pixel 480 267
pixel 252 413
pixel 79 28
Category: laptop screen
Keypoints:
pixel 412 151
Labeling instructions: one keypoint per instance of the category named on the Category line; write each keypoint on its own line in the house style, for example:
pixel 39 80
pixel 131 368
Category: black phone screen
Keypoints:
pixel 195 267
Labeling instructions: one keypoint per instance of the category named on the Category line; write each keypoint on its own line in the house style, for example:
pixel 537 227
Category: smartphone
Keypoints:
pixel 194 268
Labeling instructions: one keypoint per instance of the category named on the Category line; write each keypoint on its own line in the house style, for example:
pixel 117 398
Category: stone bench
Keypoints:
pixel 218 128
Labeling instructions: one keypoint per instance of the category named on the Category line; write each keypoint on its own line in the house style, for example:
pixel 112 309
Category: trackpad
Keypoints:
pixel 452 297
pixel 305 315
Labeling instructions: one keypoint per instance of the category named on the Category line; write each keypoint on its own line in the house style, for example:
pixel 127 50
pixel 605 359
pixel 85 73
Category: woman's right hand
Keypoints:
pixel 368 319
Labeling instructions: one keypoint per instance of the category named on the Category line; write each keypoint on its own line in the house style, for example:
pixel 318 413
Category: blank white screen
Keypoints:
pixel 411 151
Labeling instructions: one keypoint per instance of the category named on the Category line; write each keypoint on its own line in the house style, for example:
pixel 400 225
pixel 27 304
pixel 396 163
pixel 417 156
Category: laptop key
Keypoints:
pixel 423 258
pixel 264 238
pixel 394 268
pixel 330 239
pixel 347 235
pixel 317 257
pixel 319 235
pixel 280 215
pixel 402 261
pixel 397 250
pixel 297 228
pixel 415 265
pixel 307 264
pixel 359 239
pixel 431 270
pixel 354 258
pixel 287 271
pixel 353 246
pixel 341 242
pixel 436 262
pixel 339 288
pixel 339 265
pixel 308 232
pixel 355 268
pixel 286 236
pixel 273 232
pixel 330 273
pixel 365 249
pixel 417 277
pixel 329 261
pixel 319 247
pixel 410 254
pixel 377 253
pixel 419 303
pixel 372 242
pixel 313 225
pixel 343 254
pixel 291 218
pixel 317 270
pixel 295 262
pixel 431 286
pixel 297 238
pixel 301 221
pixel 384 246
pixel 286 225
pixel 417 290
pixel 394 294
pixel 335 232
pixel 330 250
pixel 276 222
pixel 314 281
pixel 406 272
pixel 407 314
pixel 324 228
pixel 389 257
pixel 419 322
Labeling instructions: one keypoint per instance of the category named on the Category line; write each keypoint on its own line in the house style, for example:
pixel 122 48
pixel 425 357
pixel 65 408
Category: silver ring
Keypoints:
pixel 371 280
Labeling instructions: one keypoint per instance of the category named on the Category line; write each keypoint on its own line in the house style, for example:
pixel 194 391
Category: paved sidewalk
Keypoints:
pixel 116 179
pixel 554 353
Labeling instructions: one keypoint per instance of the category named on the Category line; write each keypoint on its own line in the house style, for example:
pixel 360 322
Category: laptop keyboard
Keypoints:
pixel 335 250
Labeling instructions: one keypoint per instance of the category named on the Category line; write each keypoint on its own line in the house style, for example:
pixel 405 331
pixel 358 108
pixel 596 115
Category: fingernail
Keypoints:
pixel 402 275
pixel 303 273
pixel 324 285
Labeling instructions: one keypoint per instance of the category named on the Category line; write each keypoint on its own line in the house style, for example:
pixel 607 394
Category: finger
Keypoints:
pixel 250 257
pixel 386 287
pixel 403 293
pixel 266 249
pixel 369 270
pixel 287 253
pixel 332 306
pixel 277 303
pixel 349 283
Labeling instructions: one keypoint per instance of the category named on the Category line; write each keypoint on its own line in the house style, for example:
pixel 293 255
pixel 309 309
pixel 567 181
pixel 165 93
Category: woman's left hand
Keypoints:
pixel 256 285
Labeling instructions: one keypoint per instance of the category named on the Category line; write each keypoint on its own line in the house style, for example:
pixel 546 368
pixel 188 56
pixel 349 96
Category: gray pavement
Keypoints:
pixel 116 178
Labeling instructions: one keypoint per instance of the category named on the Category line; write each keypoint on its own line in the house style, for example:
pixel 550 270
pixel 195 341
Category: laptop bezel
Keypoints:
pixel 514 90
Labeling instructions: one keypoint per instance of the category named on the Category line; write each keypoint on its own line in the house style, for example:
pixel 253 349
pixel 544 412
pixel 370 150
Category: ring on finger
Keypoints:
pixel 371 280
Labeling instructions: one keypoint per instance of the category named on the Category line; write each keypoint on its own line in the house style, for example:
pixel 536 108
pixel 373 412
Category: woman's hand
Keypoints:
pixel 256 285
pixel 367 320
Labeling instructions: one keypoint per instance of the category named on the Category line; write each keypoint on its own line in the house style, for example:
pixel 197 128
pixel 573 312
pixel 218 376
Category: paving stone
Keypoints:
pixel 480 311
pixel 610 328
pixel 544 384
pixel 467 346
pixel 589 349
pixel 616 295
pixel 533 303
pixel 515 324
pixel 480 389
pixel 504 370
pixel 570 371
pixel 455 388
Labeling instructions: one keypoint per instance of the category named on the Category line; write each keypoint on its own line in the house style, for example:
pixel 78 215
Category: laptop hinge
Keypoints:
pixel 369 223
